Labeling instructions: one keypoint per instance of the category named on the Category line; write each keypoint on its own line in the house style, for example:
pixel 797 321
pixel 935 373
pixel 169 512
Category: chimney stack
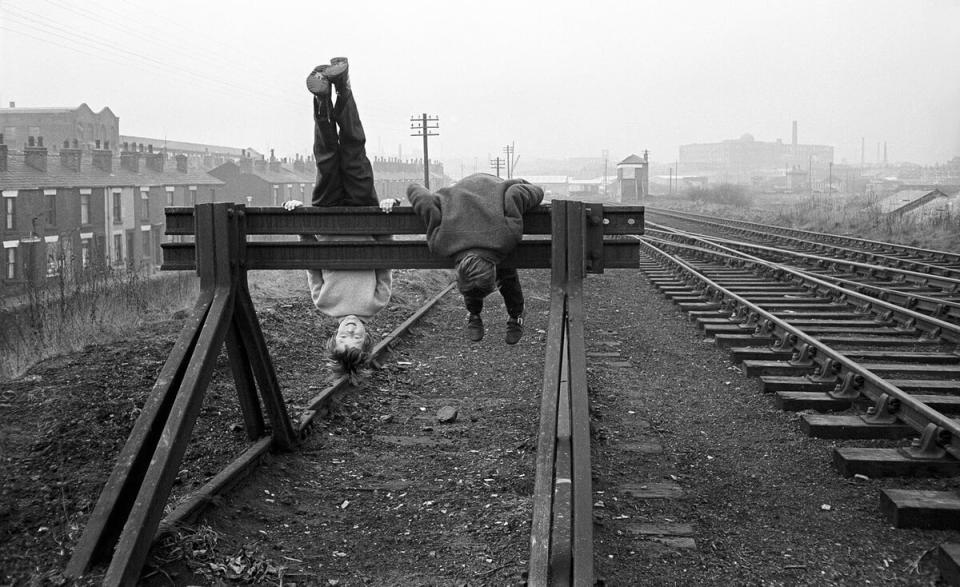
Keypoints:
pixel 260 164
pixel 274 163
pixel 3 154
pixel 153 160
pixel 70 158
pixel 130 158
pixel 103 158
pixel 181 163
pixel 35 155
pixel 246 163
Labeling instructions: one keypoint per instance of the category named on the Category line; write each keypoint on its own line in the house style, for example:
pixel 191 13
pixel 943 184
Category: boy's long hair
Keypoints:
pixel 352 363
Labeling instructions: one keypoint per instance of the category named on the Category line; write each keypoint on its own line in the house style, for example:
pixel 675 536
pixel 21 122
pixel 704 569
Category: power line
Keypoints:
pixel 97 44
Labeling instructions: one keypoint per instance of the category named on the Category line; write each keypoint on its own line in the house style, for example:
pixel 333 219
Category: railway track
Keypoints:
pixel 873 361
pixel 866 349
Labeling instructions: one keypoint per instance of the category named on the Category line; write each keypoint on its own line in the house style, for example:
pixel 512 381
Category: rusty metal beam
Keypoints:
pixel 530 254
pixel 615 219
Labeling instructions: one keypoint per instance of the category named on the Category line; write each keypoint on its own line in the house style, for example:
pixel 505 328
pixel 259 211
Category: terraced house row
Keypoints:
pixel 77 208
pixel 89 202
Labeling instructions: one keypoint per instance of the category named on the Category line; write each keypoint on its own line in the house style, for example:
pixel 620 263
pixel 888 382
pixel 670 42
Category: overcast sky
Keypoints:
pixel 556 78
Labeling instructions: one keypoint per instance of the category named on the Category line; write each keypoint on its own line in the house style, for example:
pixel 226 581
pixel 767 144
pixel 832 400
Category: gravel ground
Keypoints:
pixel 699 480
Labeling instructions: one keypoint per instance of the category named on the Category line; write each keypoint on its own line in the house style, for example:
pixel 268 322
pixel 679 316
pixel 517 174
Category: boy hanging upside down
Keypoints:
pixel 478 221
pixel 344 178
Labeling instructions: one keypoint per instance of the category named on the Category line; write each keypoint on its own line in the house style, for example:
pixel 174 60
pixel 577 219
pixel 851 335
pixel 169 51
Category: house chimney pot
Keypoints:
pixel 181 163
pixel 103 158
pixel 130 160
pixel 70 158
pixel 31 141
pixel 35 154
pixel 106 144
pixel 154 160
pixel 97 143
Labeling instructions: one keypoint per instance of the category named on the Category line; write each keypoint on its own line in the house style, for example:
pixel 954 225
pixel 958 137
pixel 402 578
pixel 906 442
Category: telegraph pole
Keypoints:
pixel 496 163
pixel 508 151
pixel 423 124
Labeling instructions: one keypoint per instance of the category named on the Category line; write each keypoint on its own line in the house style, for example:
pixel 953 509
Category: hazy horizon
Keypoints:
pixel 557 80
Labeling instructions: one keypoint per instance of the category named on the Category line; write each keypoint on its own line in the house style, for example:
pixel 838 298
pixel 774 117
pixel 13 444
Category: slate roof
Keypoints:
pixel 900 199
pixel 632 160
pixel 20 176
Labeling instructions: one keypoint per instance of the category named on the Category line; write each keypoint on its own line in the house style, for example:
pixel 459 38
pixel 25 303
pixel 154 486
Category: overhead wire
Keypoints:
pixel 50 30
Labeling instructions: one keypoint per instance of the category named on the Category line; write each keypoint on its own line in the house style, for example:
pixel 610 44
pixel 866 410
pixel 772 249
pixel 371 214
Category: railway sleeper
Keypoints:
pixel 739 354
pixel 928 510
pixel 852 427
pixel 890 462
pixel 795 401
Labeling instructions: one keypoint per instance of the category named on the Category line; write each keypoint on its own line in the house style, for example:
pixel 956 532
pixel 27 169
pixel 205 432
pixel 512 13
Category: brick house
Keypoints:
pixel 262 182
pixel 80 124
pixel 82 209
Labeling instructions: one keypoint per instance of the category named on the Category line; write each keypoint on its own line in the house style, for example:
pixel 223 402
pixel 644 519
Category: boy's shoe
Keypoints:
pixel 317 82
pixel 338 74
pixel 514 330
pixel 475 327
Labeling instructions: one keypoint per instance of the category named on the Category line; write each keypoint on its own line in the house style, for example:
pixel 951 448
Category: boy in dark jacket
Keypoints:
pixel 477 222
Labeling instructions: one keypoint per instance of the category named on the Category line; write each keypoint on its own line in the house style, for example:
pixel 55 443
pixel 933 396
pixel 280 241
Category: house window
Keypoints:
pixel 301 192
pixel 10 263
pixel 117 249
pixel 85 253
pixel 117 208
pixel 193 196
pixel 276 195
pixel 213 194
pixel 84 208
pixel 51 209
pixel 289 191
pixel 170 196
pixel 9 208
pixel 145 243
pixel 144 205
